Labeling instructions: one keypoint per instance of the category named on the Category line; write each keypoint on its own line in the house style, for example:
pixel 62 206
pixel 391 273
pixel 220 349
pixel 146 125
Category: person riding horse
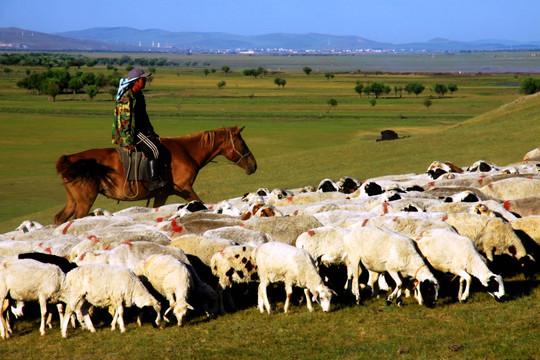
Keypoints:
pixel 131 126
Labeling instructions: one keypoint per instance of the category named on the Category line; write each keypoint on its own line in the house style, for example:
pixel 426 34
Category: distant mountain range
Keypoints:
pixel 155 40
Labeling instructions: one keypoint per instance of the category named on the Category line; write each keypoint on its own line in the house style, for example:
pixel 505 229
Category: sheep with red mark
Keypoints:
pixel 447 251
pixel 172 279
pixel 30 280
pixel 408 225
pixel 382 250
pixel 227 208
pixel 104 285
pixel 279 262
pixel 513 188
pixel 233 265
pixel 80 226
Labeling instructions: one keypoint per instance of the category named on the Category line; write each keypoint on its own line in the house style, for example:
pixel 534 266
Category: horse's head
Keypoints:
pixel 237 151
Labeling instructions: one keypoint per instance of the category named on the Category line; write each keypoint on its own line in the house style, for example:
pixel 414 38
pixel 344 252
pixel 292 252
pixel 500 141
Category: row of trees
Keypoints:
pixel 50 60
pixel 379 88
pixel 57 81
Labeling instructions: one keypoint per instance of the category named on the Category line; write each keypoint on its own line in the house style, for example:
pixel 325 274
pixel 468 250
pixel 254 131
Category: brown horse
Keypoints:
pixel 100 171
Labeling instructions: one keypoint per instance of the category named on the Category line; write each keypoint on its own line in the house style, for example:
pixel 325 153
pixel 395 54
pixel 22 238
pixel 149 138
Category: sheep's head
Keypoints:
pixel 427 292
pixel 495 287
pixel 323 295
pixel 529 266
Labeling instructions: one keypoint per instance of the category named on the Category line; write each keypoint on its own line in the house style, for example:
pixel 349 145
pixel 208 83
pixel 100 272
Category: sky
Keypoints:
pixel 392 21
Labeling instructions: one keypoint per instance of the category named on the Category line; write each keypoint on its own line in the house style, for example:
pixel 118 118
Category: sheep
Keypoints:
pixel 104 285
pixel 524 206
pixel 233 264
pixel 348 185
pixel 306 198
pixel 513 188
pixel 450 252
pixel 196 223
pixel 382 250
pixel 325 245
pixel 327 185
pixel 283 228
pixel 79 226
pixel 239 235
pixel 410 226
pixel 29 226
pixel 201 246
pixel 227 208
pixel 130 254
pixel 30 280
pixel 172 279
pixel 278 262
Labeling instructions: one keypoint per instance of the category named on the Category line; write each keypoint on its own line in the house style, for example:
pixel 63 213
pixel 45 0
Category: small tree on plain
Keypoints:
pixel 332 103
pixel 307 70
pixel 427 103
pixel 226 69
pixel 440 89
pixel 280 82
pixel 92 91
pixel 359 88
pixel 372 102
pixel 452 88
pixel 329 76
pixel 221 84
pixel 206 72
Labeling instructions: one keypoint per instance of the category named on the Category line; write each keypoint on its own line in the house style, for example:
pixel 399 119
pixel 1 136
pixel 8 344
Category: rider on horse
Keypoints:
pixel 131 126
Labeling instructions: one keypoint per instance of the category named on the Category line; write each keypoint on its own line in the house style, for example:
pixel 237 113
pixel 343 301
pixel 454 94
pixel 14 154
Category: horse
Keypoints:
pixel 100 171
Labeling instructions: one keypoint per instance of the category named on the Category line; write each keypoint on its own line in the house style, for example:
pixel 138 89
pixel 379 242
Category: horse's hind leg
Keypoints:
pixel 68 210
pixel 85 194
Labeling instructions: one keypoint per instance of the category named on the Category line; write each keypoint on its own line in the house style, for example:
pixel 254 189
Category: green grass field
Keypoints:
pixel 297 141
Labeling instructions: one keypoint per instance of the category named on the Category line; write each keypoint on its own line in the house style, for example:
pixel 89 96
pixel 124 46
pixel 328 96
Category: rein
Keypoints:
pixel 231 153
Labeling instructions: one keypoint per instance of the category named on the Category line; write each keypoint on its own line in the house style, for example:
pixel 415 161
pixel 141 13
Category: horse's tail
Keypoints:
pixel 88 170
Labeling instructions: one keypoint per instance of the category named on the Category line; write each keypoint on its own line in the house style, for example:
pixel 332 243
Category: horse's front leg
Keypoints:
pixel 186 192
pixel 160 200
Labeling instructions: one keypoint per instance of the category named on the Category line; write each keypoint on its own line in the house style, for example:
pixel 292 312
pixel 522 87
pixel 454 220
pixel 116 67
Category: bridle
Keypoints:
pixel 234 150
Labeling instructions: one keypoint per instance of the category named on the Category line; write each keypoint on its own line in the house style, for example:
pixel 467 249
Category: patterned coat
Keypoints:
pixel 130 117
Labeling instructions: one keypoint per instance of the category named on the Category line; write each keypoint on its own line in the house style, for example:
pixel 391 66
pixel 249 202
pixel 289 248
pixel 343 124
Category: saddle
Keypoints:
pixel 136 165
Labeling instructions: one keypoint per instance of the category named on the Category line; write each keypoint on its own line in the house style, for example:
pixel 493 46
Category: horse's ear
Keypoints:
pixel 237 131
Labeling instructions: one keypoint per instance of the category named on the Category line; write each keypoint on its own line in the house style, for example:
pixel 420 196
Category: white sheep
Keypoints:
pixel 172 279
pixel 279 262
pixel 450 252
pixel 382 250
pixel 30 280
pixel 283 228
pixel 104 285
pixel 239 235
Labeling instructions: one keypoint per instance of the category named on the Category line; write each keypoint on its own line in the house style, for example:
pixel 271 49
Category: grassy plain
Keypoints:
pixel 297 141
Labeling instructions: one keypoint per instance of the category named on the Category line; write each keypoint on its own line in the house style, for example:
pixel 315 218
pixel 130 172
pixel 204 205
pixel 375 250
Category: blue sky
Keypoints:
pixel 394 21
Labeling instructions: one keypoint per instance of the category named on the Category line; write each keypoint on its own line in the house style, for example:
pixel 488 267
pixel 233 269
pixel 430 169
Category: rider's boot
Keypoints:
pixel 156 181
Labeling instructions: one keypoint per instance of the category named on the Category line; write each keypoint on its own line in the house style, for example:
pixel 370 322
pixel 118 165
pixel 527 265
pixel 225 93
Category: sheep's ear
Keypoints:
pixel 190 307
pixel 315 297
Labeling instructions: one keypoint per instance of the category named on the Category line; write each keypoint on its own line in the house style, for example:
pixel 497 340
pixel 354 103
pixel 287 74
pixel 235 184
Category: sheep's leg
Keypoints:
pixel 308 300
pixel 3 325
pixel 43 306
pixel 288 291
pixel 353 268
pixel 465 279
pixel 397 291
pixel 115 319
pixel 120 318
pixel 64 324
pixel 373 279
pixel 263 297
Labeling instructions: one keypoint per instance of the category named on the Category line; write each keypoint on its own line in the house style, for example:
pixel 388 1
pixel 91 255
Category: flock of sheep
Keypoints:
pixel 402 234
